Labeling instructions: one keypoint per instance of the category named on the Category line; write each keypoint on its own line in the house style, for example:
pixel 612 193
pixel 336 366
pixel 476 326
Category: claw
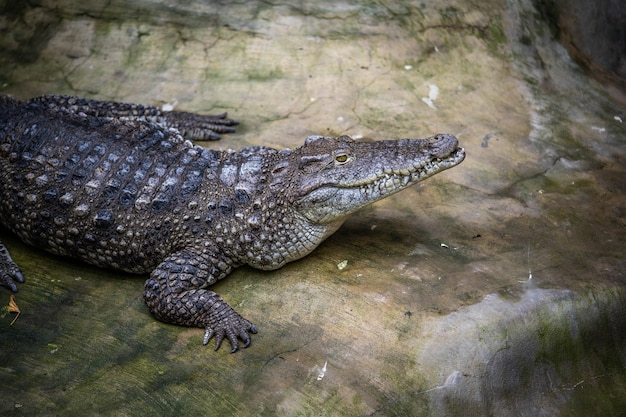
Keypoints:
pixel 233 340
pixel 17 275
pixel 243 335
pixel 9 271
pixel 7 281
pixel 208 334
pixel 246 340
pixel 13 287
pixel 233 333
pixel 219 336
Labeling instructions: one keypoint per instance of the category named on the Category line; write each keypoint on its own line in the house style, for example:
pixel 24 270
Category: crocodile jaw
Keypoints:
pixel 376 170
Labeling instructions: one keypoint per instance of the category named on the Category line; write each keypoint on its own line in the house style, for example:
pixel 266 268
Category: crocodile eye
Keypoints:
pixel 341 158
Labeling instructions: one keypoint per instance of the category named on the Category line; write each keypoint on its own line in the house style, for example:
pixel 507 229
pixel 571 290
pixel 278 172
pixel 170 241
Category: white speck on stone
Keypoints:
pixel 619 119
pixel 420 250
pixel 312 99
pixel 340 119
pixel 169 106
pixel 452 379
pixel 443 245
pixel 322 373
pixel 408 67
pixel 433 94
pixel 598 129
pixel 342 265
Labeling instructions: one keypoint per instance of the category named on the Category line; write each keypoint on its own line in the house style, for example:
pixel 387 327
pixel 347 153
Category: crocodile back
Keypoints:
pixel 106 191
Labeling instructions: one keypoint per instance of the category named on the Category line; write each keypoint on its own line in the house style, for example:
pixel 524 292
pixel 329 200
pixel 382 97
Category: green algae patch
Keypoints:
pixel 569 329
pixel 593 331
pixel 264 74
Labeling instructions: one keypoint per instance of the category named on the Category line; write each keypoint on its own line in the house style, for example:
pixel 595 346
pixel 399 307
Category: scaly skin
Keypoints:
pixel 114 185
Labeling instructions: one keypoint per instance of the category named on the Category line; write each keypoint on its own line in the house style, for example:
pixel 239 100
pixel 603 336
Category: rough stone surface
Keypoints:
pixel 594 33
pixel 497 287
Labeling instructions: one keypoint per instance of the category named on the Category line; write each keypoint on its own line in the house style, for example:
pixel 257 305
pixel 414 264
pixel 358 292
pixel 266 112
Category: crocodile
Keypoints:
pixel 122 186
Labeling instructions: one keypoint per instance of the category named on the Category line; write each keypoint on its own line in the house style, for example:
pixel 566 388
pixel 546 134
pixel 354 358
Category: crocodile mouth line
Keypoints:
pixel 394 180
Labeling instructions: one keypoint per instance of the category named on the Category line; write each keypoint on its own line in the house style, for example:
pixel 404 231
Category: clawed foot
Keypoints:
pixel 227 323
pixel 9 272
pixel 200 127
pixel 172 295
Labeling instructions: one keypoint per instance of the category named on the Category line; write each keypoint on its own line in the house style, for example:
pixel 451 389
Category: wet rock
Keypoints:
pixel 594 34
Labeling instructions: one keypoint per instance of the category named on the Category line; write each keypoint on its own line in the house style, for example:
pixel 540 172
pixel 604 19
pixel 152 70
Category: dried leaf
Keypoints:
pixel 13 308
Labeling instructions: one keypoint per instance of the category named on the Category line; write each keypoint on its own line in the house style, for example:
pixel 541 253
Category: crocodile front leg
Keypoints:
pixel 175 293
pixel 9 271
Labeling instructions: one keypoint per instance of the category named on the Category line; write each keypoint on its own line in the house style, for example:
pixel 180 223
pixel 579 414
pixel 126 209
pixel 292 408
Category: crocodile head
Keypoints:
pixel 312 189
pixel 337 176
